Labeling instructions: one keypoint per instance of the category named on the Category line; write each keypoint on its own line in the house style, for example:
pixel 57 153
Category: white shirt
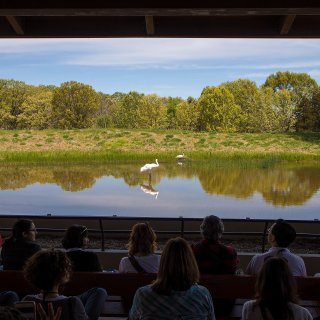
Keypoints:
pixel 250 313
pixel 149 263
pixel 295 263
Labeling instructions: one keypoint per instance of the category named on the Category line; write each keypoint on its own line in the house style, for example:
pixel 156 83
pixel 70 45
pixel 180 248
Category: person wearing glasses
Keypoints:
pixel 74 241
pixel 20 246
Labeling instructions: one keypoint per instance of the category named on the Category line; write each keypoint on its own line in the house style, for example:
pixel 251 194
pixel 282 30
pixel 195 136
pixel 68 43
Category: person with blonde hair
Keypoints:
pixel 276 295
pixel 141 251
pixel 175 293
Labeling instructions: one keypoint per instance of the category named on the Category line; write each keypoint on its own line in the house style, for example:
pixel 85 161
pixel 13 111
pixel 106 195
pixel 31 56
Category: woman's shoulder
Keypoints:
pixel 301 312
pixel 199 288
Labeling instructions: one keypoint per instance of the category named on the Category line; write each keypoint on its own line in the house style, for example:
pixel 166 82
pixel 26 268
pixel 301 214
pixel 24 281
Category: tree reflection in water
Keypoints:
pixel 278 185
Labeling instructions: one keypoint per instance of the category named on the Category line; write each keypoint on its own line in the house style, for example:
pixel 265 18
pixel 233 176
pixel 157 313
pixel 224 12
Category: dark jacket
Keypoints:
pixel 84 260
pixel 15 253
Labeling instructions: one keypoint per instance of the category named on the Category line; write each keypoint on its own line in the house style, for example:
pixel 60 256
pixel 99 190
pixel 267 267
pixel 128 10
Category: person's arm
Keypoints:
pixel 122 266
pixel 135 313
pixel 250 266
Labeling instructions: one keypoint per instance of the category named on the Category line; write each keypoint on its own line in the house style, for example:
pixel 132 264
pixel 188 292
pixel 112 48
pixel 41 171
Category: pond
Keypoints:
pixel 174 189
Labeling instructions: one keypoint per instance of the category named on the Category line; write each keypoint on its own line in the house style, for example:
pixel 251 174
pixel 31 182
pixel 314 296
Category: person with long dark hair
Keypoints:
pixel 141 251
pixel 20 246
pixel 74 241
pixel 175 293
pixel 276 295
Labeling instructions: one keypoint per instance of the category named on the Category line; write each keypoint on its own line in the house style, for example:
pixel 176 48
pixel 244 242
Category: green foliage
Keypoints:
pixel 308 112
pixel 245 93
pixel 187 115
pixel 127 114
pixel 151 113
pixel 74 105
pixel 290 81
pixel 36 109
pixel 217 110
pixel 12 96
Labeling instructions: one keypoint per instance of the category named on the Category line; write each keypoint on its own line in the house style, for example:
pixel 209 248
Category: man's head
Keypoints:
pixel 281 234
pixel 211 228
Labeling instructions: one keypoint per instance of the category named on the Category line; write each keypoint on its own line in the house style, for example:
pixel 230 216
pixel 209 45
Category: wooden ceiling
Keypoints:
pixel 160 18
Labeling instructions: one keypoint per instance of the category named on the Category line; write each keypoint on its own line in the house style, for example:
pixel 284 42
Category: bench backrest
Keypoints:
pixel 125 285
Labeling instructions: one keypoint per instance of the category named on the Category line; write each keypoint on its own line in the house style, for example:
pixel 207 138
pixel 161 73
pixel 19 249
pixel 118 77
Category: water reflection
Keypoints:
pixel 279 186
pixel 148 189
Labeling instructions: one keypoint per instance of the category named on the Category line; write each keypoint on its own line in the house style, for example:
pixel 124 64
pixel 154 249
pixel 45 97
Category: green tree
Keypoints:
pixel 245 93
pixel 291 81
pixel 172 104
pixel 74 105
pixel 187 115
pixel 217 110
pixel 108 109
pixel 36 110
pixel 308 112
pixel 152 112
pixel 263 116
pixel 285 111
pixel 127 114
pixel 300 86
pixel 12 96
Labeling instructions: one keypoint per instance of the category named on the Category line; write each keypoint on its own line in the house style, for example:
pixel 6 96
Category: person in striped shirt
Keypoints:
pixel 175 293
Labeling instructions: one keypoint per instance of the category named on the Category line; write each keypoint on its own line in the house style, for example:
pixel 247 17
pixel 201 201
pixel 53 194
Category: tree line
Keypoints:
pixel 285 102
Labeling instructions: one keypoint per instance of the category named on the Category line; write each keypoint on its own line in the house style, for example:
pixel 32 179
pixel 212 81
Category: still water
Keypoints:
pixel 173 190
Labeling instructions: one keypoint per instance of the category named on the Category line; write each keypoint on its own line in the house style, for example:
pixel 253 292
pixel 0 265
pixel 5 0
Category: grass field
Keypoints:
pixel 116 144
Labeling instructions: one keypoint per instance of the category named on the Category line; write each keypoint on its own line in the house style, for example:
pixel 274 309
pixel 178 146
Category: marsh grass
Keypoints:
pixel 103 145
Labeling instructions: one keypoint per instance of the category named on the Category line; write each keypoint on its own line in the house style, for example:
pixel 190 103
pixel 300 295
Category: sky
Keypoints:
pixel 167 67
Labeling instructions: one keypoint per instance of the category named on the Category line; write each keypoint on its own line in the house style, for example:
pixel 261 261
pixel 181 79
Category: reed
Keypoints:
pixel 219 158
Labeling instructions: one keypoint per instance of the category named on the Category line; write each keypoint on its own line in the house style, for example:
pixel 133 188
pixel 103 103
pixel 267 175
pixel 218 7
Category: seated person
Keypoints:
pixel 20 246
pixel 8 298
pixel 48 270
pixel 280 236
pixel 212 256
pixel 141 248
pixel 74 240
pixel 276 295
pixel 175 293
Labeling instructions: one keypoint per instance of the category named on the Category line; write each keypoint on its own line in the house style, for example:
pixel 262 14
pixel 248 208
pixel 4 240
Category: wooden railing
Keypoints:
pixel 120 227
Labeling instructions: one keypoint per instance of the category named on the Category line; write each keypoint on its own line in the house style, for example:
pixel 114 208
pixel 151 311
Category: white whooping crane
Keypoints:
pixel 149 166
pixel 180 157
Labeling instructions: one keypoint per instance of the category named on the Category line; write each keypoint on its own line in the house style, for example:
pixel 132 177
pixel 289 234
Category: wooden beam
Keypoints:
pixel 287 24
pixel 149 25
pixel 15 24
pixel 152 11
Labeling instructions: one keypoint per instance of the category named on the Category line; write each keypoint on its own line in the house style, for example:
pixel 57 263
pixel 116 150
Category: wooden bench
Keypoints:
pixel 121 289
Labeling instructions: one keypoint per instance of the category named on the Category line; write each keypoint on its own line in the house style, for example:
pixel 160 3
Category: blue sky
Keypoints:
pixel 168 67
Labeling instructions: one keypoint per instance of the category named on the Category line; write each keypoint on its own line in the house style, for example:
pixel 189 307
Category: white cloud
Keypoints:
pixel 171 53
